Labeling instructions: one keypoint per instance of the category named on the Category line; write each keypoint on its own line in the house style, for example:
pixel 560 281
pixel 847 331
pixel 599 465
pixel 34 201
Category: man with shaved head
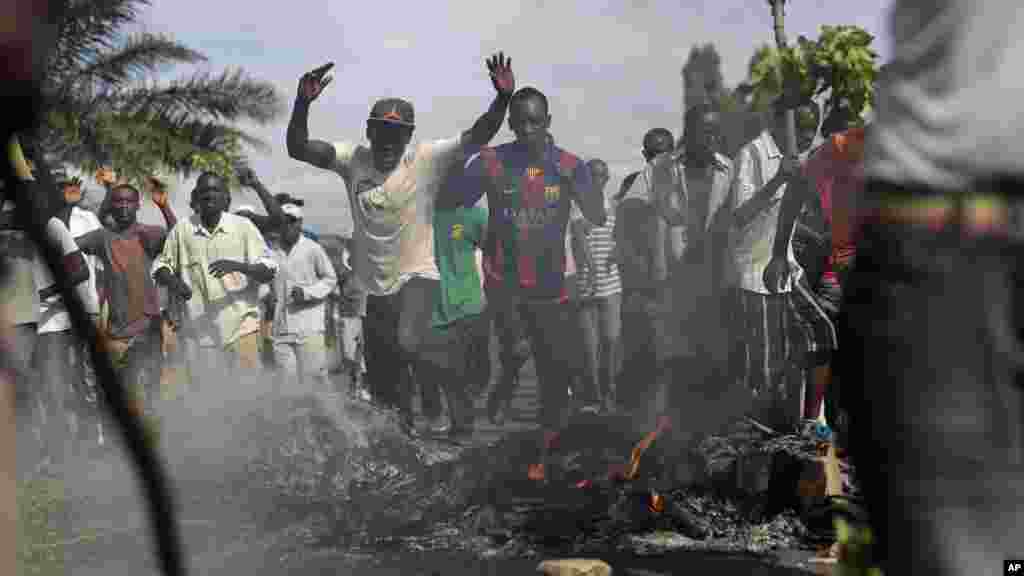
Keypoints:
pixel 530 184
pixel 216 261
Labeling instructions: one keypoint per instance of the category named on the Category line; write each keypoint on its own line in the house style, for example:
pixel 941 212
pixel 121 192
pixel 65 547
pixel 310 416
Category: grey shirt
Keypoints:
pixel 951 104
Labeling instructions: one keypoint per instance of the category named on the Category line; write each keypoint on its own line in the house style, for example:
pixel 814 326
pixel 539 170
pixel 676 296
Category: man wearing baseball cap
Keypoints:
pixel 391 187
pixel 304 280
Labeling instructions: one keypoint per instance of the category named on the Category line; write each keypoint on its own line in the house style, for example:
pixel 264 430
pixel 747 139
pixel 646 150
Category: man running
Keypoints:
pixel 215 261
pixel 127 251
pixel 391 187
pixel 529 185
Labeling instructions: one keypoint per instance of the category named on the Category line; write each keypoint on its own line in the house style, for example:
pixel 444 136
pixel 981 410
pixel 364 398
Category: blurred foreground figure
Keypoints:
pixel 931 326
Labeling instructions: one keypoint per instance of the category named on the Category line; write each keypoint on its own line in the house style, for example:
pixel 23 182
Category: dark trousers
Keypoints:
pixel 402 349
pixel 542 324
pixel 930 371
pixel 462 366
pixel 637 385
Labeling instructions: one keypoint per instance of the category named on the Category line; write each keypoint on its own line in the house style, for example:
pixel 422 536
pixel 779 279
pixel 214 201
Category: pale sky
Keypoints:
pixel 611 70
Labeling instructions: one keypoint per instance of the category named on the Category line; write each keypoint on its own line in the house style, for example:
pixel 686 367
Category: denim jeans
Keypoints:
pixel 930 376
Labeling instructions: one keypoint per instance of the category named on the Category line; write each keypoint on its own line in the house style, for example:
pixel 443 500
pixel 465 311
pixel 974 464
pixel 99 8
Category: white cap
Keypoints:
pixel 292 210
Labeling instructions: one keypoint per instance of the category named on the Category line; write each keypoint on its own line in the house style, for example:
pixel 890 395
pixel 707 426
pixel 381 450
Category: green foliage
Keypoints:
pixel 104 107
pixel 840 62
pixel 856 540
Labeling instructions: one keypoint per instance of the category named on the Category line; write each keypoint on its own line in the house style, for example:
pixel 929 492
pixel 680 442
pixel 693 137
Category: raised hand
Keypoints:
pixel 313 83
pixel 502 78
pixel 247 177
pixel 159 196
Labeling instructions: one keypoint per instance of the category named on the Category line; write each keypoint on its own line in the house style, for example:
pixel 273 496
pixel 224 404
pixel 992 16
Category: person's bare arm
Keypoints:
pixel 247 177
pixel 486 127
pixel 300 146
pixel 162 202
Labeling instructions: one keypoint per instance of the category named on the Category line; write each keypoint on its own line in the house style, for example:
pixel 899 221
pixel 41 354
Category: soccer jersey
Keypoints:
pixel 529 210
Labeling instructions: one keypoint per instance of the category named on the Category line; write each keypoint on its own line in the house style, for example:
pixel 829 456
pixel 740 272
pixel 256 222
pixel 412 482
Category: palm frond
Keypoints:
pixel 86 28
pixel 229 96
pixel 138 55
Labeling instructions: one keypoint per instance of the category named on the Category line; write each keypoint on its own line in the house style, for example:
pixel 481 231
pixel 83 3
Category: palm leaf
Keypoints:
pixel 229 96
pixel 140 54
pixel 87 27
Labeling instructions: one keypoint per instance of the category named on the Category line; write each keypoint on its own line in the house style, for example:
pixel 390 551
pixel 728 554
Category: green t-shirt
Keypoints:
pixel 457 235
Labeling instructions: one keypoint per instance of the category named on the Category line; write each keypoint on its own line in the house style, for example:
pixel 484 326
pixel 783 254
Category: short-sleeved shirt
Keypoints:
pixel 127 258
pixel 600 242
pixel 392 214
pixel 61 237
pixel 222 309
pixel 751 245
pixel 53 315
pixel 525 250
pixel 458 234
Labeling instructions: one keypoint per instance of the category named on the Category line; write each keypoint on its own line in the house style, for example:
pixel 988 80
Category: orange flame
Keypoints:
pixel 657 503
pixel 664 424
pixel 535 472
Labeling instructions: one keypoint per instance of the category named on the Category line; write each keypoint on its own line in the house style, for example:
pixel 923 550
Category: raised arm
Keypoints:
pixel 669 188
pixel 275 216
pixel 754 201
pixel 486 127
pixel 300 147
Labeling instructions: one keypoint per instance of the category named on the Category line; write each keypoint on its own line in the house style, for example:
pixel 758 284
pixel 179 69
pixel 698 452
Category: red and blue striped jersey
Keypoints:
pixel 529 211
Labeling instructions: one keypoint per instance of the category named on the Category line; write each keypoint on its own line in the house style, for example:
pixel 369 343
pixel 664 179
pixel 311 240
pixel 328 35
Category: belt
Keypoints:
pixel 973 214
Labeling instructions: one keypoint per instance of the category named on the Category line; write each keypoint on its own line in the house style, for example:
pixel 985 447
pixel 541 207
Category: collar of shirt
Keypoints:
pixel 226 225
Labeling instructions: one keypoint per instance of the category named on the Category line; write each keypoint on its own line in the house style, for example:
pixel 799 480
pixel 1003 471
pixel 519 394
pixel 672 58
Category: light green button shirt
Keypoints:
pixel 222 309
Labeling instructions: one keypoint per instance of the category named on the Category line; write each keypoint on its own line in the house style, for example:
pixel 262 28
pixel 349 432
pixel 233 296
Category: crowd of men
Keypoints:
pixel 929 321
pixel 701 271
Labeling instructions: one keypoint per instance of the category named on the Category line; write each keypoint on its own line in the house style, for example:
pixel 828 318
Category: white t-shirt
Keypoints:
pixel 392 215
pixel 53 316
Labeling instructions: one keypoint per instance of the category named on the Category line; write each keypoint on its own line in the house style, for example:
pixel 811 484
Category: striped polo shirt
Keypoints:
pixel 529 212
pixel 600 242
